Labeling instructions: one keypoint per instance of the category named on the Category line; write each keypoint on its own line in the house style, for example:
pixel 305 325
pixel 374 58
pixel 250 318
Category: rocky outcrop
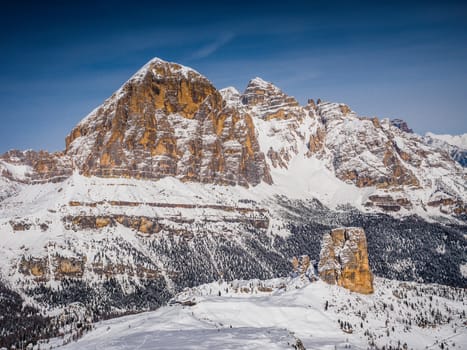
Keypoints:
pixel 36 267
pixel 168 120
pixel 69 267
pixel 316 141
pixel 344 260
pixel 62 267
pixel 151 225
pixel 20 225
pixel 25 225
pixel 301 264
pixel 447 204
pixel 34 167
pixel 304 267
pixel 59 268
pixel 388 203
pixel 401 124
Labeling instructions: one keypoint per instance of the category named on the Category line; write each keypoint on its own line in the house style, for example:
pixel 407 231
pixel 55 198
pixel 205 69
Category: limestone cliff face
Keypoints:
pixel 279 118
pixel 386 156
pixel 168 120
pixel 362 150
pixel 344 260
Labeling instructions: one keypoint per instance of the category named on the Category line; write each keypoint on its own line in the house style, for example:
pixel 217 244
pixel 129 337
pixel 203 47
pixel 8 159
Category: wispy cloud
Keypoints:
pixel 212 47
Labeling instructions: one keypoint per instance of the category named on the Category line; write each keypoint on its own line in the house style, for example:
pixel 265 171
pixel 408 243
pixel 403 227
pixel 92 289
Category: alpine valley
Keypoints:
pixel 246 219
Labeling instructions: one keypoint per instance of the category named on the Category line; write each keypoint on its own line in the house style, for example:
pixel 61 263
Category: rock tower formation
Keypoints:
pixel 344 260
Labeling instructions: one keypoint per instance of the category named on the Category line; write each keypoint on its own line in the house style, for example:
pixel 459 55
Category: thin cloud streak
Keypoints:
pixel 209 49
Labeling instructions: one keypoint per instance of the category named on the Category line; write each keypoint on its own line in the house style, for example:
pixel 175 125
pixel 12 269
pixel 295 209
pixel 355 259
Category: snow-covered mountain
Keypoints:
pixel 454 140
pixel 455 145
pixel 171 183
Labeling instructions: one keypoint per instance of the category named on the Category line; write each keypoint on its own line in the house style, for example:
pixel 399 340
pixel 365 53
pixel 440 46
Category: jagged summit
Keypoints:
pixel 157 70
pixel 266 96
pixel 261 83
pixel 401 124
pixel 161 68
pixel 231 96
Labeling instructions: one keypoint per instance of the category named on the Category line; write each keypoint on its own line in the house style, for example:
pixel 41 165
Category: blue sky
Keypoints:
pixel 383 58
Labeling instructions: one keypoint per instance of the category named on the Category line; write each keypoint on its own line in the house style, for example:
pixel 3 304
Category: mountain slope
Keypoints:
pixel 456 145
pixel 454 140
pixel 282 313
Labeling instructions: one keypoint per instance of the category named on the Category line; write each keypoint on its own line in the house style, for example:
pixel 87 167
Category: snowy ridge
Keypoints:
pixel 231 96
pixel 455 146
pixel 454 140
pixel 186 71
pixel 262 84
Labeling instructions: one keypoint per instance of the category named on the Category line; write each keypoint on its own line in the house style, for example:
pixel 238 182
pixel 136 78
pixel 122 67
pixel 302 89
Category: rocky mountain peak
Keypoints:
pixel 161 68
pixel 279 120
pixel 259 83
pixel 268 99
pixel 401 124
pixel 329 111
pixel 168 120
pixel 231 96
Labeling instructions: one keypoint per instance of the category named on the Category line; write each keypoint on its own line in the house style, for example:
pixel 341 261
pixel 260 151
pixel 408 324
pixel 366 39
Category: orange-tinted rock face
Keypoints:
pixel 169 120
pixel 36 267
pixel 41 270
pixel 69 267
pixel 59 268
pixel 316 141
pixel 344 260
pixel 345 109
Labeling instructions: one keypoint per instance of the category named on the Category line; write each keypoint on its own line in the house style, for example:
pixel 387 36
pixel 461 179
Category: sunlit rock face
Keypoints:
pixel 168 120
pixel 344 260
